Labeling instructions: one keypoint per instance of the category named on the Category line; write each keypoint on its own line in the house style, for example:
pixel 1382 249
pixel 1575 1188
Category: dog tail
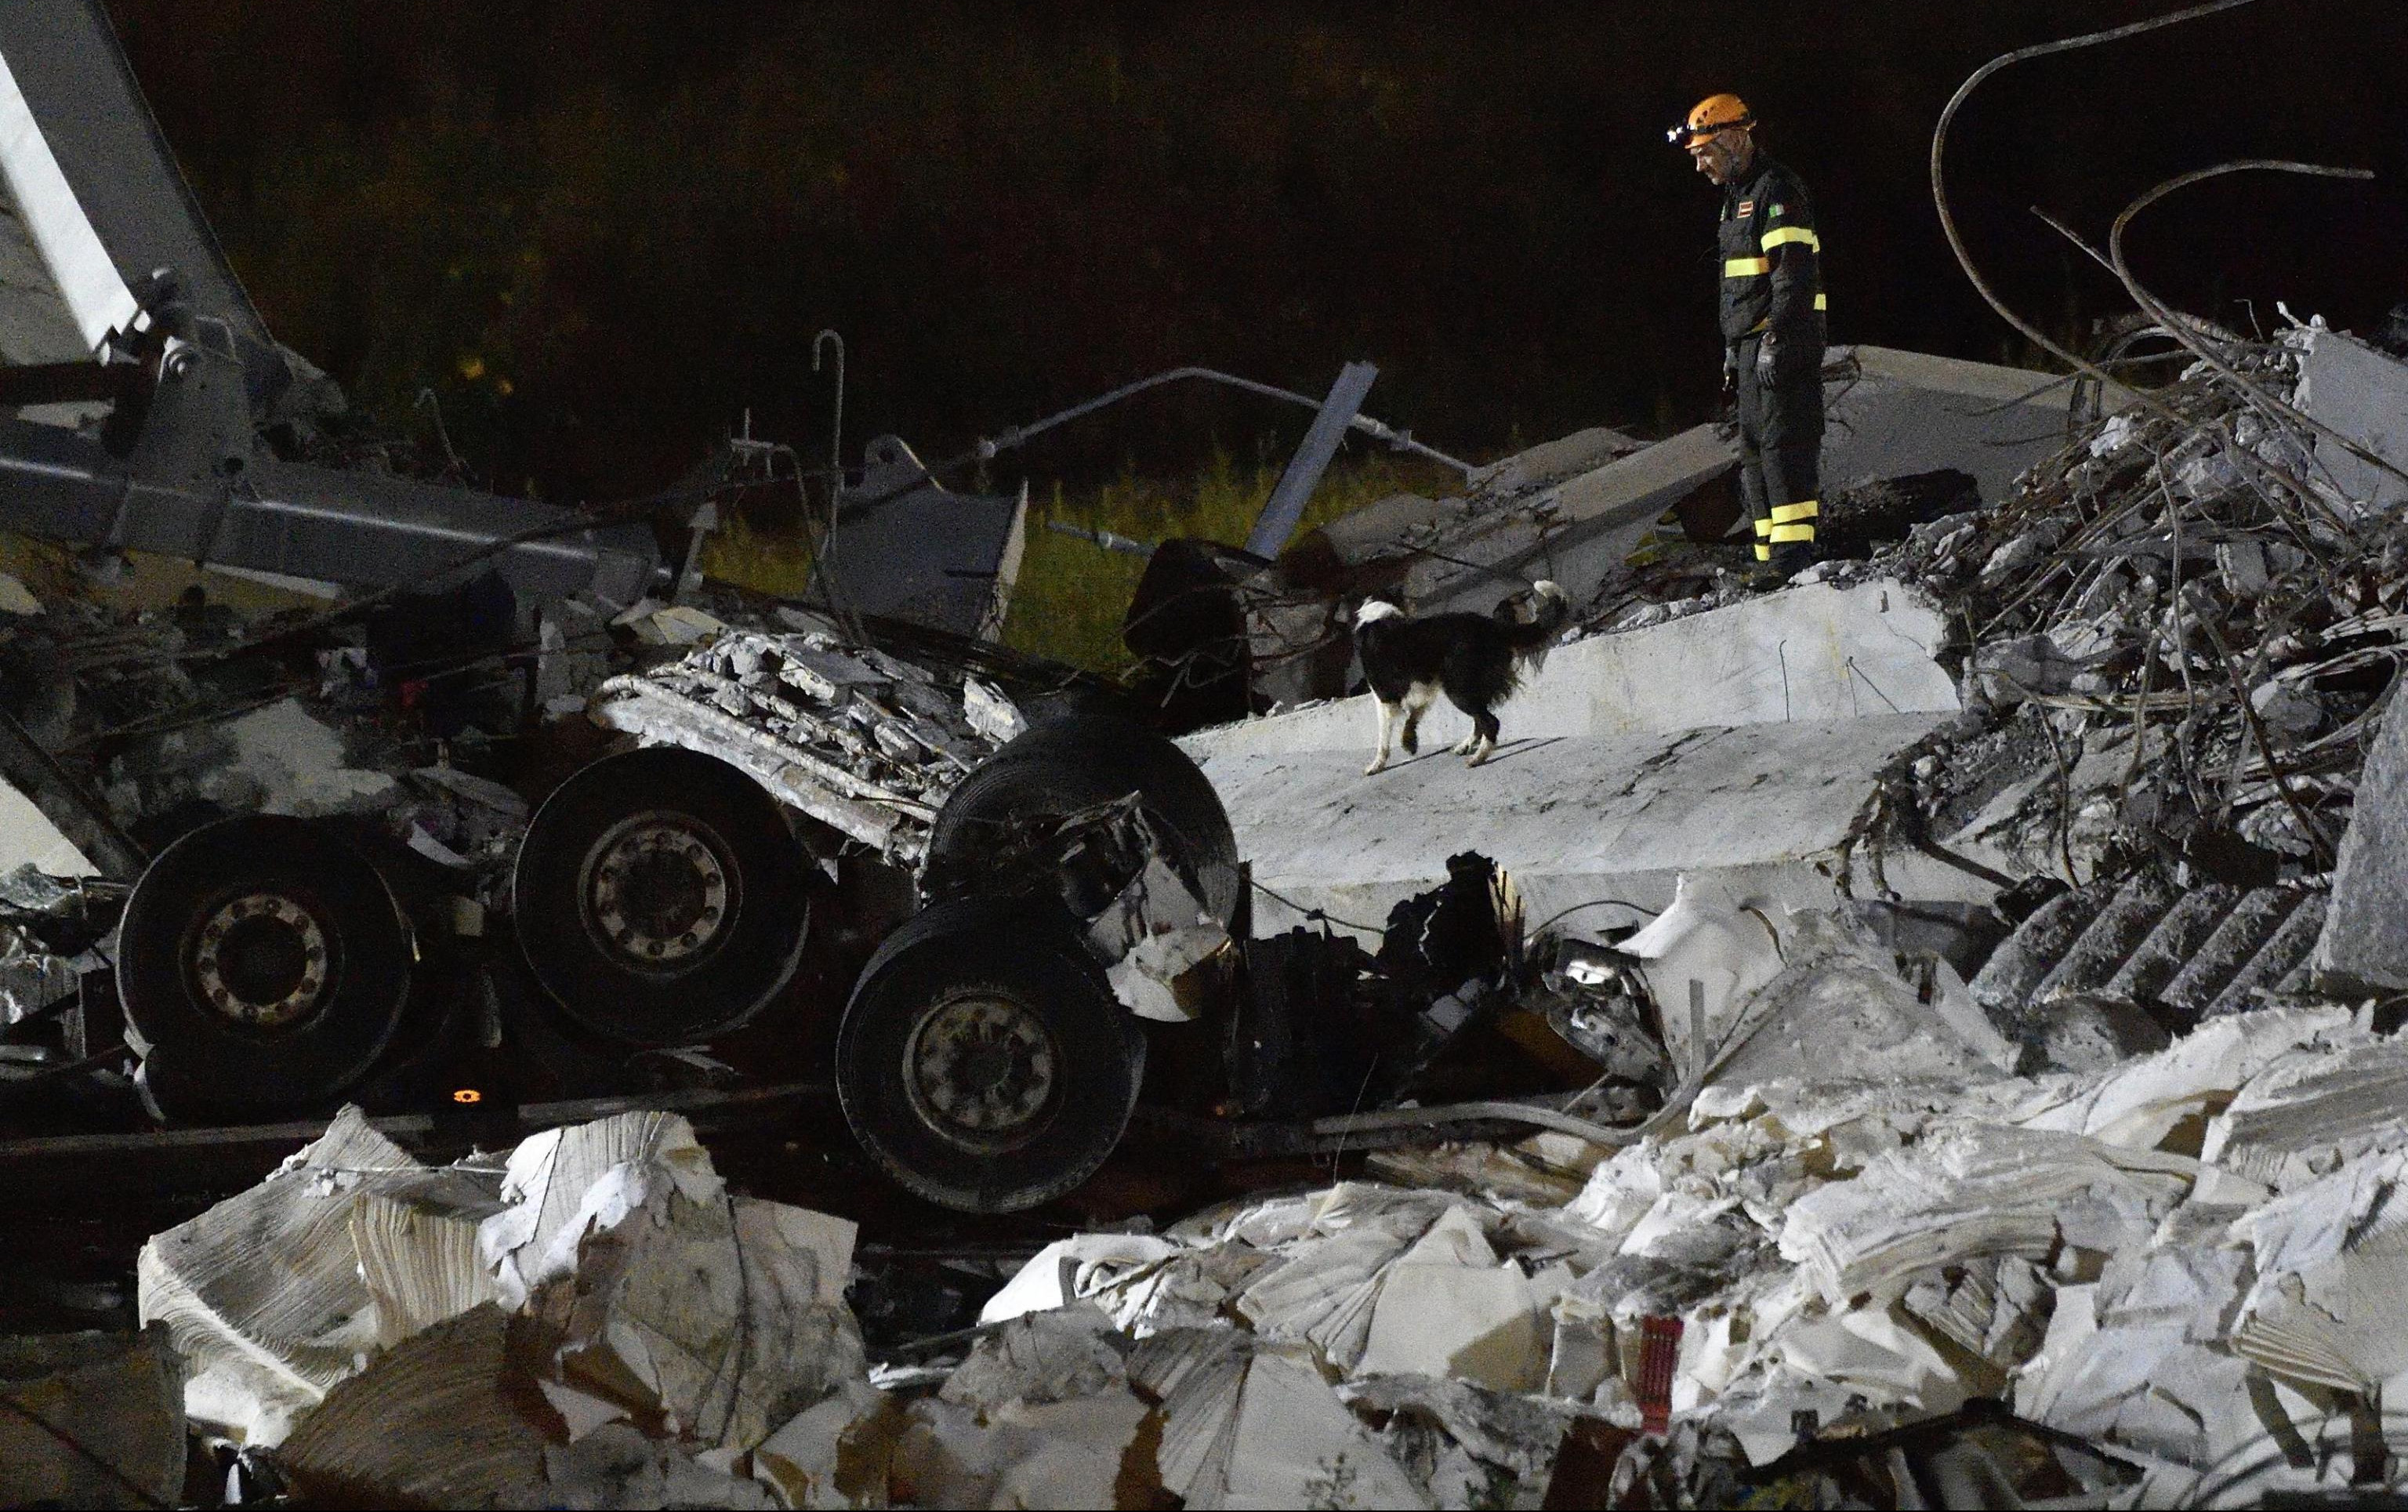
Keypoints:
pixel 1550 608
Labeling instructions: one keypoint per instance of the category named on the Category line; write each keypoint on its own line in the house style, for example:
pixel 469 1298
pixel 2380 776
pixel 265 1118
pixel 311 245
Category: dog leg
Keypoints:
pixel 1417 703
pixel 1484 730
pixel 1387 722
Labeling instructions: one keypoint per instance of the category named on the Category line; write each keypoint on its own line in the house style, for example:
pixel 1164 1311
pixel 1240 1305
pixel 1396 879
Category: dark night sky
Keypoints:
pixel 634 218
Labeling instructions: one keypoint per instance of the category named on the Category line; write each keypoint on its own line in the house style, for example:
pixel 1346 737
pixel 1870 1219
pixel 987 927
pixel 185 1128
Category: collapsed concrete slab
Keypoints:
pixel 1744 742
pixel 1810 653
pixel 1896 413
pixel 1574 531
pixel 1572 819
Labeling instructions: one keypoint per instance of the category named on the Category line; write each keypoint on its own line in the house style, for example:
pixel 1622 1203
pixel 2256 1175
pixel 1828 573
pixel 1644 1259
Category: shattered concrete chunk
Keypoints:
pixel 446 1419
pixel 263 1293
pixel 90 1419
pixel 2365 935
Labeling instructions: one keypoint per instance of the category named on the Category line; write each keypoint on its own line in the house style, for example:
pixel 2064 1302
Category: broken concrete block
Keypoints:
pixel 2009 671
pixel 29 837
pixel 2082 1032
pixel 92 1420
pixel 449 1417
pixel 659 1291
pixel 2365 939
pixel 1552 462
pixel 2287 708
pixel 2363 394
pixel 262 1294
pixel 1256 1425
pixel 286 761
pixel 1810 653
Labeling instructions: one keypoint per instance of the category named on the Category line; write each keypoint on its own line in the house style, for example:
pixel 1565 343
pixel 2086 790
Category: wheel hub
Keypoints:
pixel 260 961
pixel 657 892
pixel 983 1070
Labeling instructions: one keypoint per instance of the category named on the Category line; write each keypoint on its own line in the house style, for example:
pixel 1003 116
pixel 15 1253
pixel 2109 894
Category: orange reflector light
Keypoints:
pixel 467 1094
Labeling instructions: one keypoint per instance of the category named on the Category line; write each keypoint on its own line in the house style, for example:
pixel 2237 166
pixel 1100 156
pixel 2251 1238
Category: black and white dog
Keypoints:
pixel 1477 661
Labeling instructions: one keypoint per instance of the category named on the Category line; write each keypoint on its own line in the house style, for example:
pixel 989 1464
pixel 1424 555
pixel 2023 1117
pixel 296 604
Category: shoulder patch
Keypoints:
pixel 1747 206
pixel 1774 214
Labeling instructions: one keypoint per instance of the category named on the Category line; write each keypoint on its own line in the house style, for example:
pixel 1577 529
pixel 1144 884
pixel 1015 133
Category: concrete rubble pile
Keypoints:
pixel 2182 630
pixel 594 1321
pixel 2178 1275
pixel 2169 1278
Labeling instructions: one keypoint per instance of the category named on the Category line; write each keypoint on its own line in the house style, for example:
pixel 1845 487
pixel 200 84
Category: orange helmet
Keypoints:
pixel 1716 113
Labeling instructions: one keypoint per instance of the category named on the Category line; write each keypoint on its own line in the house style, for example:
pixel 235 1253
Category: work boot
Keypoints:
pixel 1793 558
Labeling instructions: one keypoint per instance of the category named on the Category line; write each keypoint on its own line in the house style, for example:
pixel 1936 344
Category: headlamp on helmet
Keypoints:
pixel 1714 113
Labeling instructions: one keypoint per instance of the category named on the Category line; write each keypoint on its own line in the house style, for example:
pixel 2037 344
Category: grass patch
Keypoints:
pixel 1072 592
pixel 778 564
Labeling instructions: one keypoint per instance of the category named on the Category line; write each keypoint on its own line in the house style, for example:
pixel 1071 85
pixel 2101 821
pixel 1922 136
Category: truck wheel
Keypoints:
pixel 267 960
pixel 661 897
pixel 982 1062
pixel 1076 762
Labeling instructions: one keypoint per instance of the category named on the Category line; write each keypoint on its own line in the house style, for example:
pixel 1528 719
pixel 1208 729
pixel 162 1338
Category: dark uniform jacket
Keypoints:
pixel 1771 261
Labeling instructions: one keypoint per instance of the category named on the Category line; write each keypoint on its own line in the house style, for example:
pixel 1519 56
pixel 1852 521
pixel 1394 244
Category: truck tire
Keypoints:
pixel 661 897
pixel 267 960
pixel 1075 761
pixel 982 1062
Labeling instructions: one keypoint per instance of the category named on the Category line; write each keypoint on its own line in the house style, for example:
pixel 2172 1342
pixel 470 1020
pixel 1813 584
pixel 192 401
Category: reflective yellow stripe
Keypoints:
pixel 1819 302
pixel 1789 514
pixel 1763 527
pixel 1786 235
pixel 1784 534
pixel 1763 552
pixel 1746 267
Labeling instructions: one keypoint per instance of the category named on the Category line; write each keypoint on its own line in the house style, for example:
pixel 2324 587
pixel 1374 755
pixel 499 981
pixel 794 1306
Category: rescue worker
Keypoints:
pixel 1773 324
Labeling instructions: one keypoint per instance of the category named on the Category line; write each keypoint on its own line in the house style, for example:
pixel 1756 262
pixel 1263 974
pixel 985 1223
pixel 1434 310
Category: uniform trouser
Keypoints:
pixel 1780 458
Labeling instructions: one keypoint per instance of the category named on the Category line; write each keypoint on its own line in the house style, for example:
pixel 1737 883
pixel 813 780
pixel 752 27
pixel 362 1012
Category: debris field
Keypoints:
pixel 492 1017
